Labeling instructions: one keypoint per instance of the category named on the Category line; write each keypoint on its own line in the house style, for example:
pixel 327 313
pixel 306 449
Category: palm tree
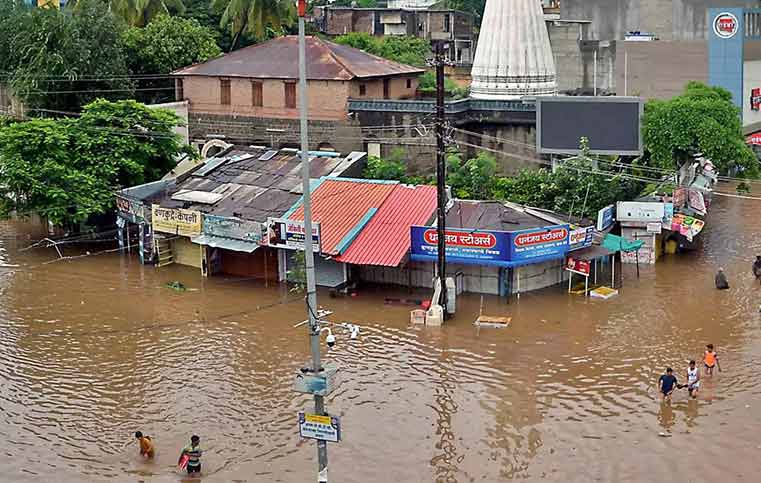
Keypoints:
pixel 254 16
pixel 137 13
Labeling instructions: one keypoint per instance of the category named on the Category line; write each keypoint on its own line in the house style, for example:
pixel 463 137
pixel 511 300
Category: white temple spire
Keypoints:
pixel 513 57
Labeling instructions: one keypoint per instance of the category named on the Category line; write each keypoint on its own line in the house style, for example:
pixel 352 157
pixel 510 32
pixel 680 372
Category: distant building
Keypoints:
pixel 455 27
pixel 417 4
pixel 251 95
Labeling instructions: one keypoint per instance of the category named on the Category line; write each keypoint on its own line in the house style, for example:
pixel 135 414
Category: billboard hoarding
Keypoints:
pixel 582 267
pixel 611 123
pixel 581 238
pixel 289 234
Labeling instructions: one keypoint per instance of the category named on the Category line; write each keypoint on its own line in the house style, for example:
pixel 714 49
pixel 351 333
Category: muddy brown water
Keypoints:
pixel 96 348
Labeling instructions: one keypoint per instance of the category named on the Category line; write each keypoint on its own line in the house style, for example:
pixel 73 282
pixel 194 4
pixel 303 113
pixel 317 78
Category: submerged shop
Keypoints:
pixel 497 262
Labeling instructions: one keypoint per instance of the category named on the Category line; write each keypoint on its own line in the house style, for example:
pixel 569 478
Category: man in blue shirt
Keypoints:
pixel 667 383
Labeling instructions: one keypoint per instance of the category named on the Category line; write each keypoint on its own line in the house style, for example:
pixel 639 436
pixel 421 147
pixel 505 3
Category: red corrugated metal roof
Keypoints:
pixel 339 205
pixel 386 239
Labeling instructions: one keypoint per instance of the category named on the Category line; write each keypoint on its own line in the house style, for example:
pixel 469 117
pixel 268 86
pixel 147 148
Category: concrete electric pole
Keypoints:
pixel 311 298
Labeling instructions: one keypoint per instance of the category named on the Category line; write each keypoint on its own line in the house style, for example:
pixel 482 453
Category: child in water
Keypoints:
pixel 146 445
pixel 711 359
pixel 693 380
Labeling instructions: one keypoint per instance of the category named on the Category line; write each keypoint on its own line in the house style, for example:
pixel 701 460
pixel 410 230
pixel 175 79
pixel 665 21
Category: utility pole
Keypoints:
pixel 441 174
pixel 311 298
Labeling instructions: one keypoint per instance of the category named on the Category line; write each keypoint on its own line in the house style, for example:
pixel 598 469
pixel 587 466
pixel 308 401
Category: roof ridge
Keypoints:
pixel 335 56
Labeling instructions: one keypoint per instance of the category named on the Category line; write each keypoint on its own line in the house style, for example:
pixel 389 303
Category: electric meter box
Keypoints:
pixel 321 384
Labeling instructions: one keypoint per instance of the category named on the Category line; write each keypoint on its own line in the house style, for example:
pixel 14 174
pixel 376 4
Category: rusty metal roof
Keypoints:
pixel 252 189
pixel 490 215
pixel 343 207
pixel 385 241
pixel 278 59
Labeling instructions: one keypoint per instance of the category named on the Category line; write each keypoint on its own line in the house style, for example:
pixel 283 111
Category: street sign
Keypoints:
pixel 325 428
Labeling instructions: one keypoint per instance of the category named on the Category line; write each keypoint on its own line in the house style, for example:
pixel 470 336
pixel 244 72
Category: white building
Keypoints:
pixel 513 58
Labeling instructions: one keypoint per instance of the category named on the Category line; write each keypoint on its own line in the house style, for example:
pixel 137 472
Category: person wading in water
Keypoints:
pixel 757 268
pixel 191 456
pixel 721 280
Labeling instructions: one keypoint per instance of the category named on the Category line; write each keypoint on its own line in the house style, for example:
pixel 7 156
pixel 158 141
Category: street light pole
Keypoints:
pixel 311 298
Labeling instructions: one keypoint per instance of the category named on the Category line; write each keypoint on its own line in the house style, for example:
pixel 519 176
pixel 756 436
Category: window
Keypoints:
pixel 446 22
pixel 409 83
pixel 385 89
pixel 362 90
pixel 224 91
pixel 256 93
pixel 179 91
pixel 290 94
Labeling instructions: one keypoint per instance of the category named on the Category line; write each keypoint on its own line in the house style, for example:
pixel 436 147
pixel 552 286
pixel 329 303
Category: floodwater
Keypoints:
pixel 96 348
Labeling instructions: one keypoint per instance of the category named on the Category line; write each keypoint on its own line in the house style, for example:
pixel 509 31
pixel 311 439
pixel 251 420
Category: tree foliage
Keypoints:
pixel 475 7
pixel 427 84
pixel 61 60
pixel 169 43
pixel 140 13
pixel 406 50
pixel 254 17
pixel 67 169
pixel 471 179
pixel 703 119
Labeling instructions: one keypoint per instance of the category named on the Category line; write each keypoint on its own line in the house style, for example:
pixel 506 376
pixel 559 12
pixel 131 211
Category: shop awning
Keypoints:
pixel 226 243
pixel 620 244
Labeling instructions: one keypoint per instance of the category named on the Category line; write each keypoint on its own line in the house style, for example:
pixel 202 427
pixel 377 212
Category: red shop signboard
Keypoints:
pixel 581 267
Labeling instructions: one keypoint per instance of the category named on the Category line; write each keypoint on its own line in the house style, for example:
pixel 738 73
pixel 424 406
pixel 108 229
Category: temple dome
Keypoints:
pixel 513 57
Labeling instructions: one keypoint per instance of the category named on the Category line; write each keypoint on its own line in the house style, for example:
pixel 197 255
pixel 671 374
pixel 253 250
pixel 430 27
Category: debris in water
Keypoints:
pixel 664 435
pixel 177 286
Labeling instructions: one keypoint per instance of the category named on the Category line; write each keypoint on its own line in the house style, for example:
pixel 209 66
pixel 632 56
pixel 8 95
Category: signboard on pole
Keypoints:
pixel 464 246
pixel 289 234
pixel 539 243
pixel 582 267
pixel 234 228
pixel 133 211
pixel 581 238
pixel 325 428
pixel 606 217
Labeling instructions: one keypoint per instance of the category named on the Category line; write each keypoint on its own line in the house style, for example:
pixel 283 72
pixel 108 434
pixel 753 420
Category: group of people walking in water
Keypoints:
pixel 190 456
pixel 668 382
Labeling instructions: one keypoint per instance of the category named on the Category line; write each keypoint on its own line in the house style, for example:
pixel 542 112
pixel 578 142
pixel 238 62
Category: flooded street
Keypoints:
pixel 93 349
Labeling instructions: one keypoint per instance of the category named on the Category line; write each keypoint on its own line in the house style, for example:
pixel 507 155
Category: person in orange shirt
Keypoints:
pixel 711 359
pixel 146 445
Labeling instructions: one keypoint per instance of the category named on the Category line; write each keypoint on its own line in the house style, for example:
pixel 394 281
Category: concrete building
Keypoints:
pixel 250 95
pixel 514 57
pixel 457 28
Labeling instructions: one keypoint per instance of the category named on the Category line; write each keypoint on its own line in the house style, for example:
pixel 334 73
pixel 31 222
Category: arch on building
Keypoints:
pixel 213 147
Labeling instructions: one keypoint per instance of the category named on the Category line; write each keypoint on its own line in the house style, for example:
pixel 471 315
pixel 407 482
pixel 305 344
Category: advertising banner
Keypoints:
pixel 133 211
pixel 539 243
pixel 289 234
pixel 463 246
pixel 176 221
pixel 755 99
pixel 315 426
pixel 582 267
pixel 606 217
pixel 235 228
pixel 581 238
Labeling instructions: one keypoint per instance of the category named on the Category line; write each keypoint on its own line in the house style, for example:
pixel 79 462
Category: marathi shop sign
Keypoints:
pixel 289 234
pixel 582 267
pixel 234 228
pixel 581 238
pixel 539 243
pixel 755 99
pixel 467 246
pixel 754 139
pixel 130 210
pixel 176 221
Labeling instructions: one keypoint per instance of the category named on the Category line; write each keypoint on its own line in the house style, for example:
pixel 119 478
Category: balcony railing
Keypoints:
pixel 427 106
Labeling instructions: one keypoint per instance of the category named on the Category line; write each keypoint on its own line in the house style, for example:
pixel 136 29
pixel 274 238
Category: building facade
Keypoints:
pixel 455 27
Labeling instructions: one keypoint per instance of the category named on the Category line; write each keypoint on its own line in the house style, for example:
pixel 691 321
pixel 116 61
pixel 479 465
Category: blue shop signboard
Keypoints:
pixel 581 238
pixel 539 244
pixel 463 246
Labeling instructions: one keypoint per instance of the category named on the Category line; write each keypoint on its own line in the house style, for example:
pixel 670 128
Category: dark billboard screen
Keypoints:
pixel 612 124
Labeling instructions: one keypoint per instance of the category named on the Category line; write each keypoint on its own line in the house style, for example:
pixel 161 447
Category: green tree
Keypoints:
pixel 475 7
pixel 64 59
pixel 390 169
pixel 427 84
pixel 406 50
pixel 702 119
pixel 471 179
pixel 164 45
pixel 254 17
pixel 67 169
pixel 140 13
